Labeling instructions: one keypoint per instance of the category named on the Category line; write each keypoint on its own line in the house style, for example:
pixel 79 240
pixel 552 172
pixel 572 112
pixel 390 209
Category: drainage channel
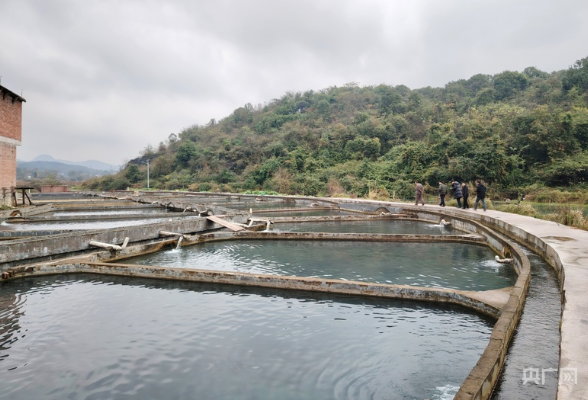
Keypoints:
pixel 530 369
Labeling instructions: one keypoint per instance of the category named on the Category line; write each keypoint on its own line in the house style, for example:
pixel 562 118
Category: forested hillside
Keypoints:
pixel 514 130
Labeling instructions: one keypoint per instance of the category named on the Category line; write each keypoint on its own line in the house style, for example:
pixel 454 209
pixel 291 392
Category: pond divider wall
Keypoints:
pixel 451 296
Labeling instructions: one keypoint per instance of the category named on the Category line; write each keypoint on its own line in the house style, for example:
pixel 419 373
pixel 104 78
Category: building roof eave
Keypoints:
pixel 5 92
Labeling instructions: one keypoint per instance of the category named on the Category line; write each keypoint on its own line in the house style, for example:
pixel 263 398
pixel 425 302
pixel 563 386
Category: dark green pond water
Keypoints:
pixel 369 226
pixel 246 205
pixel 448 265
pixel 305 213
pixel 88 337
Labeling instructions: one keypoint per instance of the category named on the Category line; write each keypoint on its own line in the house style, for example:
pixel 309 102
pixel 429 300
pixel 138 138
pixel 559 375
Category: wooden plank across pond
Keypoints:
pixel 232 226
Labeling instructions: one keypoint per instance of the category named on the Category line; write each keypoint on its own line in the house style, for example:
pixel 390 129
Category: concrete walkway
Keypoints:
pixel 571 245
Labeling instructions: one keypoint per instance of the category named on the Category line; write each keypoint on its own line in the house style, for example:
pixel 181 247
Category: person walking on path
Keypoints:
pixel 480 194
pixel 420 191
pixel 466 193
pixel 457 194
pixel 442 193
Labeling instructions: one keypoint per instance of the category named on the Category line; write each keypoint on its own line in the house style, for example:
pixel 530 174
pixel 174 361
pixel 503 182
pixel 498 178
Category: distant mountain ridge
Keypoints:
pixel 92 164
pixel 44 166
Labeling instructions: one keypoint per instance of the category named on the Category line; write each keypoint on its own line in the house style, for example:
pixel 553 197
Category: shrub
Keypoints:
pixel 281 181
pixel 522 209
pixel 402 190
pixel 551 196
pixel 569 216
pixel 335 189
pixel 379 193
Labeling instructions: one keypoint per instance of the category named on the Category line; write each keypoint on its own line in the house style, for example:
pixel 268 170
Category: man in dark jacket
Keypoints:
pixel 442 193
pixel 466 193
pixel 457 195
pixel 480 194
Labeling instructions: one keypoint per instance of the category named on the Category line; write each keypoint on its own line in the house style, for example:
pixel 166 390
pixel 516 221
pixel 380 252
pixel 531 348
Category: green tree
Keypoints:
pixel 361 147
pixel 133 174
pixel 543 136
pixel 485 96
pixel 265 171
pixel 186 152
pixel 508 83
pixel 580 126
pixel 571 171
pixel 533 72
pixel 576 76
pixel 477 83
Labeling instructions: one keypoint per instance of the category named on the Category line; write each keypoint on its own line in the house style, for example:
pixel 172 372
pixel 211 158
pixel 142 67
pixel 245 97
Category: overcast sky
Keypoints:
pixel 104 79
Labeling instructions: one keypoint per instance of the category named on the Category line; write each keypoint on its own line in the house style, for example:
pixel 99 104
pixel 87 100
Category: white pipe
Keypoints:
pixel 503 260
pixel 167 233
pixel 107 246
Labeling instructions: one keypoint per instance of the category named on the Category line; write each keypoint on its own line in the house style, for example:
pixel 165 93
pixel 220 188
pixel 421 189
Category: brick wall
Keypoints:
pixel 54 188
pixel 10 118
pixel 10 137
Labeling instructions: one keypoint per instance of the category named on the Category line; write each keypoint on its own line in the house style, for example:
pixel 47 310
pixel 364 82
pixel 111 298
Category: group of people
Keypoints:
pixel 459 191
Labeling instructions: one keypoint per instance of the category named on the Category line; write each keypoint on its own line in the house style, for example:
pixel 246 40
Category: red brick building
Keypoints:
pixel 10 137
